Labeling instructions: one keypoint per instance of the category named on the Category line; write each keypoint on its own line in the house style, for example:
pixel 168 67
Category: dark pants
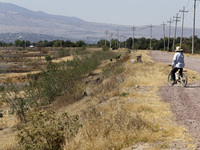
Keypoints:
pixel 174 70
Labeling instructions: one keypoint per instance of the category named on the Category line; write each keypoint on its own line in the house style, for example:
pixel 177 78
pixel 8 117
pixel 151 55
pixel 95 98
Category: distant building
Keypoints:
pixel 31 46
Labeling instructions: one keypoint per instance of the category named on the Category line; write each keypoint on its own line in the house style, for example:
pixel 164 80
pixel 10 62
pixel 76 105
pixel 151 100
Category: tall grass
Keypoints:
pixel 56 80
pixel 113 121
pixel 114 115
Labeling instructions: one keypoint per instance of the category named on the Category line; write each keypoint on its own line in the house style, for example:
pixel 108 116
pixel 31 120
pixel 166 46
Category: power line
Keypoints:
pixel 169 32
pixel 183 11
pixel 176 19
pixel 193 27
pixel 106 32
pixel 118 43
pixel 133 29
pixel 111 35
pixel 187 3
pixel 150 34
pixel 164 33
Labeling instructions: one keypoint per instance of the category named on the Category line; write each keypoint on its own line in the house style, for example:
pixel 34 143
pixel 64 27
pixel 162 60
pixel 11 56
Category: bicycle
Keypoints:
pixel 178 79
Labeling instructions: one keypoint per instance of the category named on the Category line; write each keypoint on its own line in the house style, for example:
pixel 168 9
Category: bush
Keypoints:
pixel 105 48
pixel 45 131
pixel 56 80
pixel 48 58
pixel 12 96
pixel 62 52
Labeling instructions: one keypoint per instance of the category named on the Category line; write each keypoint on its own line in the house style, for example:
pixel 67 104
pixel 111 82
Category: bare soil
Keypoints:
pixel 185 102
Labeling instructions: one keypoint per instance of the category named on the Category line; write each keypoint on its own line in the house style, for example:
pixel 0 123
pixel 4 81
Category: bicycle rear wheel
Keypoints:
pixel 183 80
pixel 170 81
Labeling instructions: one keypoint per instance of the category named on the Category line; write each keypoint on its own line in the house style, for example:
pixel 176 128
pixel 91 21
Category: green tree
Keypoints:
pixel 17 42
pixel 129 43
pixel 80 43
pixel 58 43
pixel 40 44
pixel 102 42
pixel 142 43
pixel 68 44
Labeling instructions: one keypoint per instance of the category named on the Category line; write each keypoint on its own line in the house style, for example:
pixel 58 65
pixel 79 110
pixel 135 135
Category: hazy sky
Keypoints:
pixel 123 12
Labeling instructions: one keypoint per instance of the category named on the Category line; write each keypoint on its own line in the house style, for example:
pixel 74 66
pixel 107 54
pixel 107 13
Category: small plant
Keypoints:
pixel 119 69
pixel 12 96
pixel 48 58
pixel 105 48
pixel 62 52
pixel 2 88
pixel 124 94
pixel 44 130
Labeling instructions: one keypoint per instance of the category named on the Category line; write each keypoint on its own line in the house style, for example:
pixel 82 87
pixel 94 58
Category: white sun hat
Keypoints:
pixel 178 49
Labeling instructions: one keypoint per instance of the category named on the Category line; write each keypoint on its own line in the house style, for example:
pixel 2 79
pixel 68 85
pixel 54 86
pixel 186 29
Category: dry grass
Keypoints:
pixel 118 114
pixel 7 135
pixel 124 110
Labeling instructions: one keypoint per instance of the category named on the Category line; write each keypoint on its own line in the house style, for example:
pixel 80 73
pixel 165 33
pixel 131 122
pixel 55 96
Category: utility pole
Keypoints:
pixel 106 32
pixel 118 43
pixel 150 34
pixel 183 11
pixel 169 32
pixel 133 29
pixel 164 33
pixel 124 41
pixel 111 35
pixel 175 30
pixel 193 27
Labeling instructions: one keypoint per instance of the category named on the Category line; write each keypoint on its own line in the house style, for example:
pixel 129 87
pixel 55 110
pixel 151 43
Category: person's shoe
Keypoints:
pixel 179 79
pixel 174 82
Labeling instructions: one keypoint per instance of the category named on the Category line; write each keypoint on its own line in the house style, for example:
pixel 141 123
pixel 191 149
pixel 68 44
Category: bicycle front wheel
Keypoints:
pixel 170 81
pixel 183 81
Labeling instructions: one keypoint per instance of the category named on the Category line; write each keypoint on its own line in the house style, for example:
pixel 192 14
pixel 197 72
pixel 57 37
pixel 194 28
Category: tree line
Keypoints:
pixel 144 44
pixel 139 43
pixel 45 43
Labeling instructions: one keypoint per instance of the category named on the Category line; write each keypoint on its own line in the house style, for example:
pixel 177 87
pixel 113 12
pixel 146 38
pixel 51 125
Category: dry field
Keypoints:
pixel 121 110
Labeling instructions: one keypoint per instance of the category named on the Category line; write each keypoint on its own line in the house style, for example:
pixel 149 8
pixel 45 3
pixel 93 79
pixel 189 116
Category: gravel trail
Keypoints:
pixel 185 102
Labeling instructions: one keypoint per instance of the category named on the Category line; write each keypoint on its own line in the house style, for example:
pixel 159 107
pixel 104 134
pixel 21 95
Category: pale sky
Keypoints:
pixel 122 12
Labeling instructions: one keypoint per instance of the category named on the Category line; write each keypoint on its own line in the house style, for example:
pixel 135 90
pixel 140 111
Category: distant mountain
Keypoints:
pixel 15 19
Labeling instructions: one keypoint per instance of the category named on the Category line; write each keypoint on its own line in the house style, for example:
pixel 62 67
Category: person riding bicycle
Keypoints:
pixel 177 63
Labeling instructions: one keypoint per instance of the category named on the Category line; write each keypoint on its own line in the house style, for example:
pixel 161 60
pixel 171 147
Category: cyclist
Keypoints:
pixel 177 63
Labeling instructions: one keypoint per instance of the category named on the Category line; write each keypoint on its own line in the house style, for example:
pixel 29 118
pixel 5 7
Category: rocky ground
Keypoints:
pixel 185 102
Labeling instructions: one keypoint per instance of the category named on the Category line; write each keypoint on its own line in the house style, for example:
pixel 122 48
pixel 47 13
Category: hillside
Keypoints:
pixel 15 19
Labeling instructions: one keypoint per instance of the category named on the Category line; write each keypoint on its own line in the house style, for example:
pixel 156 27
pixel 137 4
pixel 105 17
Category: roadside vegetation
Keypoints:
pixel 100 99
pixel 156 44
pixel 139 43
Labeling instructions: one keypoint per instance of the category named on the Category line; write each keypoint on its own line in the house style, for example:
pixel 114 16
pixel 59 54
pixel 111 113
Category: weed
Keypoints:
pixel 13 96
pixel 105 48
pixel 48 58
pixel 63 52
pixel 44 130
pixel 124 94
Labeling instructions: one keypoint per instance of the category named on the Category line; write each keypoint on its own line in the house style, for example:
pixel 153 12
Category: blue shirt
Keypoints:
pixel 178 60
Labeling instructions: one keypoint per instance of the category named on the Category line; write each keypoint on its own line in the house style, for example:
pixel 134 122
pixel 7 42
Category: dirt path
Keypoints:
pixel 185 102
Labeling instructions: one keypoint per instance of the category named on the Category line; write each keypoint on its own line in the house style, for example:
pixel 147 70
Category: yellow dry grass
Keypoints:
pixel 126 110
pixel 63 59
pixel 19 77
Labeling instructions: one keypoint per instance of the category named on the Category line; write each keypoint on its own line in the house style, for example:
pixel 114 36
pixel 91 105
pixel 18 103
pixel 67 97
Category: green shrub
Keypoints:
pixel 63 52
pixel 2 88
pixel 124 94
pixel 45 131
pixel 56 80
pixel 119 69
pixel 12 96
pixel 105 48
pixel 48 58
